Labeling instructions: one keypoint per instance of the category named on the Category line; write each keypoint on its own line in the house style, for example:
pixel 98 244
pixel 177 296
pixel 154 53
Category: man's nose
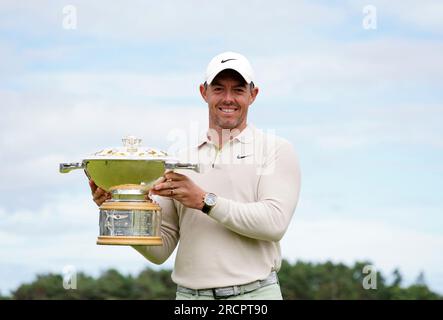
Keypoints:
pixel 228 98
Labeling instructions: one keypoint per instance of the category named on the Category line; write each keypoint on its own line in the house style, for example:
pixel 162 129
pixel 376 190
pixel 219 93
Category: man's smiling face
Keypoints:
pixel 228 97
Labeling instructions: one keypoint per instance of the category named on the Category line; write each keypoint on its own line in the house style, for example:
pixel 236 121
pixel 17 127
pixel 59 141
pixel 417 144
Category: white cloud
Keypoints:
pixel 424 15
pixel 397 16
pixel 363 126
pixel 116 84
pixel 171 20
pixel 365 69
pixel 38 133
pixel 64 214
pixel 59 233
pixel 64 232
pixel 349 240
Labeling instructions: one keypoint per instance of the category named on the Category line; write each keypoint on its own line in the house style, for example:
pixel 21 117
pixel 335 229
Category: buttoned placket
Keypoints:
pixel 217 151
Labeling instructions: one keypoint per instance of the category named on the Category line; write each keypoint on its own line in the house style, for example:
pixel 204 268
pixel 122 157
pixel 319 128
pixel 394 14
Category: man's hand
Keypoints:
pixel 179 187
pixel 98 195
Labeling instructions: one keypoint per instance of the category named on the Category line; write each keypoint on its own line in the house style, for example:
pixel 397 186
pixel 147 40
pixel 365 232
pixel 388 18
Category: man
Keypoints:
pixel 229 218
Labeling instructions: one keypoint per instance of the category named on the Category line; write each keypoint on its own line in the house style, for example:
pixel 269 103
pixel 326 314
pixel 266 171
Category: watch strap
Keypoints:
pixel 206 208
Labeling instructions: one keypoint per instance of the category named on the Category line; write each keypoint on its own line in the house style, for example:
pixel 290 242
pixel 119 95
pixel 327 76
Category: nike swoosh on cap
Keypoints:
pixel 223 61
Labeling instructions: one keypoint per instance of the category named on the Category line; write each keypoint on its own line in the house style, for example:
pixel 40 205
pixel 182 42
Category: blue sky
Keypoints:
pixel 362 107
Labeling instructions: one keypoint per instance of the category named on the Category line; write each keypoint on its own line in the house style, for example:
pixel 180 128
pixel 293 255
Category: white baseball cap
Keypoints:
pixel 229 60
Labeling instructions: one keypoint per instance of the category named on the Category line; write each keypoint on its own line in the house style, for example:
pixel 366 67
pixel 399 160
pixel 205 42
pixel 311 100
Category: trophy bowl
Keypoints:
pixel 130 217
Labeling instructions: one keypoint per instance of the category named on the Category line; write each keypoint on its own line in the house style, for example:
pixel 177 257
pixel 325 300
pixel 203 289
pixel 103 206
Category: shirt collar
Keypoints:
pixel 245 136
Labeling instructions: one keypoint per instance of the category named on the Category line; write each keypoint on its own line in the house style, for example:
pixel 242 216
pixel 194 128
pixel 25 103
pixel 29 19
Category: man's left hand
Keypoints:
pixel 181 188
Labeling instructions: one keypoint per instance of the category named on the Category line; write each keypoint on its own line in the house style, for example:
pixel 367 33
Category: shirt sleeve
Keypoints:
pixel 278 193
pixel 169 232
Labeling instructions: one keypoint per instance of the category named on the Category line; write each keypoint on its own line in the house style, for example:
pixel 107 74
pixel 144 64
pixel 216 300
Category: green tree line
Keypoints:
pixel 301 280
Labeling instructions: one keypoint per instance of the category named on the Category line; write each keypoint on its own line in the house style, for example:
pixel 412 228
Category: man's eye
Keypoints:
pixel 239 90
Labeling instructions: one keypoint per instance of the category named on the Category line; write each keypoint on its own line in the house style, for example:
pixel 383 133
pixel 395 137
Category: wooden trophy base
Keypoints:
pixel 129 241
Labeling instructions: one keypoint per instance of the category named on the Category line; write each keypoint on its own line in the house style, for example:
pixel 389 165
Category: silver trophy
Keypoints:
pixel 130 217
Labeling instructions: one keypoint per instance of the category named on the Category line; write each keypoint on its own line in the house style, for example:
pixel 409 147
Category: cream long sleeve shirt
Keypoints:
pixel 256 177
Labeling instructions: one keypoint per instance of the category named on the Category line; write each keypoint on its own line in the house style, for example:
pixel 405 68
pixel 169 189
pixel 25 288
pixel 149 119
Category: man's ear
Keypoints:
pixel 254 93
pixel 203 90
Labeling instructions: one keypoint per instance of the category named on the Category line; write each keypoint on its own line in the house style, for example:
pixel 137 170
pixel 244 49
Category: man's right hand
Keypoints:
pixel 98 194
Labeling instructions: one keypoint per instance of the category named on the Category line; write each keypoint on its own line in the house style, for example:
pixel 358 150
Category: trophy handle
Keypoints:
pixel 67 167
pixel 171 165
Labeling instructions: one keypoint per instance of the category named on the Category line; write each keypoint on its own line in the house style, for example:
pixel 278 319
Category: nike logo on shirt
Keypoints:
pixel 243 156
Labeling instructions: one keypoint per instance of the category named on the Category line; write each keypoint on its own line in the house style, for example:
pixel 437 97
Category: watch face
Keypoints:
pixel 210 199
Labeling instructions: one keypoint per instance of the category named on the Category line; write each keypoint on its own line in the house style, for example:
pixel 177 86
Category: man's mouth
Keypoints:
pixel 228 109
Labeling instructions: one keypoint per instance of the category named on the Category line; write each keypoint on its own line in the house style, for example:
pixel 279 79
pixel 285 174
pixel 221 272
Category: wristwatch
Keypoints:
pixel 209 202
